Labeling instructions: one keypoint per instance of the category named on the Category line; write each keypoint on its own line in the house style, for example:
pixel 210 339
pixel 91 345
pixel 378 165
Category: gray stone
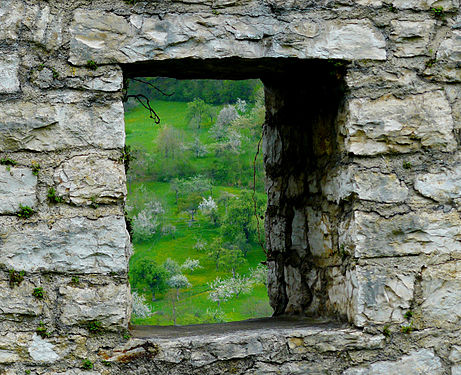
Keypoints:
pixel 74 245
pixel 411 37
pixel 389 124
pixel 455 354
pixel 108 38
pixel 425 4
pixel 42 351
pixel 17 187
pixel 47 127
pixel 9 81
pixel 319 237
pixel 368 235
pixel 441 305
pixel 89 179
pixel 8 356
pixel 456 370
pixel 366 184
pixel 11 13
pixel 450 48
pixel 107 304
pixel 442 187
pixel 19 301
pixel 420 362
pixel 378 295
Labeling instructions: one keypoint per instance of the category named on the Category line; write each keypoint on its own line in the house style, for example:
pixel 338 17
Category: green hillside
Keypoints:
pixel 203 164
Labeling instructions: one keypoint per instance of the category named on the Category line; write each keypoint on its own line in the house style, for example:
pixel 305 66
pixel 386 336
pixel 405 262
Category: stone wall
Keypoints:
pixel 361 147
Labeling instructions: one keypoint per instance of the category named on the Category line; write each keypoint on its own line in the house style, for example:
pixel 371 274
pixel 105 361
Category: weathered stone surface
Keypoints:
pixel 420 362
pixel 42 351
pixel 89 179
pixel 74 245
pixel 369 235
pixel 47 127
pixel 456 370
pixel 366 184
pixel 455 354
pixel 411 37
pixel 11 13
pixel 320 233
pixel 108 304
pixel 442 187
pixel 8 356
pixel 373 295
pixel 45 26
pixel 18 300
pixel 389 124
pixel 108 38
pixel 9 81
pixel 450 48
pixel 425 4
pixel 17 187
pixel 441 305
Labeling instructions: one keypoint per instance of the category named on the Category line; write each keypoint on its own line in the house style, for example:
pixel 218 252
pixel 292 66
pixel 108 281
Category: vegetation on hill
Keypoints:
pixel 197 257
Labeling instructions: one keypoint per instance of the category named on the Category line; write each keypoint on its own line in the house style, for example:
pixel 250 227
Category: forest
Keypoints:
pixel 196 201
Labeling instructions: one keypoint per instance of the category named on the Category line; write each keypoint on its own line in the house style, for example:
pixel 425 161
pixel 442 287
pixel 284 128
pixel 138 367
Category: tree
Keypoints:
pixel 226 116
pixel 224 289
pixel 190 204
pixel 216 250
pixel 240 217
pixel 209 208
pixel 147 222
pixel 140 307
pixel 198 148
pixel 191 265
pixel 171 267
pixel 169 142
pixel 146 273
pixel 232 258
pixel 178 281
pixel 196 112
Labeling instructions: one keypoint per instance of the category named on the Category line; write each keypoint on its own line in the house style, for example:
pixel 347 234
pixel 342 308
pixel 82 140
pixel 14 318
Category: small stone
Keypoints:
pixel 443 187
pixel 107 304
pixel 421 362
pixel 74 245
pixel 90 179
pixel 9 81
pixel 42 351
pixel 17 188
pixel 411 37
pixel 388 124
pixel 450 48
pixel 441 305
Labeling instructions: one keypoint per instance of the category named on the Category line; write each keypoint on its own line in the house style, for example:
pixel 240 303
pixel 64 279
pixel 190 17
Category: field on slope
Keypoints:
pixel 149 180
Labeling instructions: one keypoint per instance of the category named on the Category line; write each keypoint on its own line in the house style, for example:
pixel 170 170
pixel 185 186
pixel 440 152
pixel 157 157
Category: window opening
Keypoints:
pixel 197 253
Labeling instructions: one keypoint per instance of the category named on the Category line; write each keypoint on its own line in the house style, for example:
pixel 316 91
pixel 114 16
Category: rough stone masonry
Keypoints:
pixel 362 154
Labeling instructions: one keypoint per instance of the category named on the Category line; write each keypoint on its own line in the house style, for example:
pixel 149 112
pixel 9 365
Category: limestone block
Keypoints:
pixel 68 245
pixel 298 232
pixel 419 362
pixel 411 37
pixel 389 124
pixel 450 48
pixel 369 185
pixel 88 179
pixel 108 304
pixel 48 127
pixel 108 38
pixel 456 370
pixel 106 78
pixel 8 356
pixel 455 354
pixel 17 187
pixel 42 351
pixel 442 187
pixel 425 4
pixel 45 27
pixel 11 13
pixel 379 295
pixel 9 82
pixel 18 300
pixel 319 237
pixel 441 305
pixel 368 235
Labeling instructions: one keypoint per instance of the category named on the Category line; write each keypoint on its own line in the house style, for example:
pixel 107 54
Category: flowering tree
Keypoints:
pixel 147 222
pixel 224 289
pixel 140 307
pixel 209 208
pixel 191 265
pixel 178 281
pixel 224 120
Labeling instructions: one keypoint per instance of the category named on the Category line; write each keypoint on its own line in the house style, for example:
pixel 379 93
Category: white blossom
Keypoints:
pixel 140 308
pixel 191 265
pixel 207 205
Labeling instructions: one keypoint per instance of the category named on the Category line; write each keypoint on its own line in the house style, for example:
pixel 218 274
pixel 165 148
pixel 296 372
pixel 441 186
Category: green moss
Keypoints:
pixel 52 197
pixel 42 331
pixel 90 64
pixel 16 277
pixel 35 168
pixel 87 364
pixel 94 326
pixel 25 212
pixel 8 161
pixel 38 293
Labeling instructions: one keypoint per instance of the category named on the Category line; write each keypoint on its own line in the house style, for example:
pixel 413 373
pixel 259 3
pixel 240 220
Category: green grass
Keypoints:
pixel 194 303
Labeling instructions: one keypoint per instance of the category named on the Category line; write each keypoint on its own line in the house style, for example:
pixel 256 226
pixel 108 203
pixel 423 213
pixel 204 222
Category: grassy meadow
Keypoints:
pixel 149 180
